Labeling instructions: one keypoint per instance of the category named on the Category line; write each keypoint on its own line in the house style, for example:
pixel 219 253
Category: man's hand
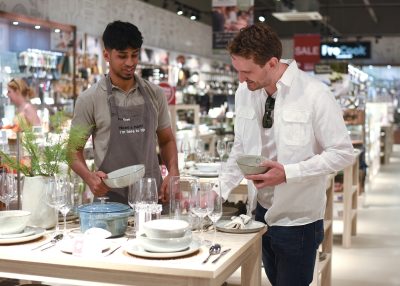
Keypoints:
pixel 163 195
pixel 274 176
pixel 96 184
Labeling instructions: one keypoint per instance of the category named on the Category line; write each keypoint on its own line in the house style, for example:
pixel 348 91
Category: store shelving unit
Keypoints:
pixel 386 143
pixel 347 200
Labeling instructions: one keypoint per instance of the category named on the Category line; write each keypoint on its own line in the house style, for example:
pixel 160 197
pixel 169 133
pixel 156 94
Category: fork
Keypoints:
pixel 222 254
pixel 53 241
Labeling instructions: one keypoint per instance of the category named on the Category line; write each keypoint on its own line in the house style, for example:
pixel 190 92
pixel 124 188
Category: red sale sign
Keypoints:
pixel 169 92
pixel 306 50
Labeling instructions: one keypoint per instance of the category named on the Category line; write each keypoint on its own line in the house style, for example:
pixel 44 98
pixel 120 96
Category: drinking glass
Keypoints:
pixel 229 147
pixel 143 198
pixel 8 188
pixel 185 149
pixel 221 149
pixel 180 191
pixel 199 204
pixel 215 205
pixel 54 197
pixel 199 149
pixel 66 190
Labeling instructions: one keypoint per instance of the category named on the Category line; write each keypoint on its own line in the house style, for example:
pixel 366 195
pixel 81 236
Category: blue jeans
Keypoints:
pixel 289 252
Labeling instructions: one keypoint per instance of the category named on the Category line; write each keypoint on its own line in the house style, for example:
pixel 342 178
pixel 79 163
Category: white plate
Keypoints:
pixel 134 248
pixel 252 226
pixel 37 232
pixel 67 245
pixel 27 231
pixel 198 173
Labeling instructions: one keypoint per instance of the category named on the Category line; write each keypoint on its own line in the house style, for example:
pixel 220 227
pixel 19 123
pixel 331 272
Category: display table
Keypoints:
pixel 121 268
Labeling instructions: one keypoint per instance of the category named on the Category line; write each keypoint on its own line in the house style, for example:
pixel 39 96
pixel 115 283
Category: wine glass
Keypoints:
pixel 221 149
pixel 143 198
pixel 66 191
pixel 229 147
pixel 8 188
pixel 180 191
pixel 185 149
pixel 215 205
pixel 54 197
pixel 199 204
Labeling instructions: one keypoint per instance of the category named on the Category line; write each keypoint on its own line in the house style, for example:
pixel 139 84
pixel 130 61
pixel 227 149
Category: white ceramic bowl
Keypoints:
pixel 165 244
pixel 124 177
pixel 165 228
pixel 208 167
pixel 13 221
pixel 250 164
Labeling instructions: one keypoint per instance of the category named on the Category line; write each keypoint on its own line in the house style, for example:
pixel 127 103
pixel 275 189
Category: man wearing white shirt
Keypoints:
pixel 292 119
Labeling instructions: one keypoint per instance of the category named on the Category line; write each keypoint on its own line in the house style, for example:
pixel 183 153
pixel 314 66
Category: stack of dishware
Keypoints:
pixel 165 235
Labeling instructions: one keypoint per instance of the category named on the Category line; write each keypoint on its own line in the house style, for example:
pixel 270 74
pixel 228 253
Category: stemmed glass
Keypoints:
pixel 229 147
pixel 143 198
pixel 199 204
pixel 221 149
pixel 199 149
pixel 8 188
pixel 185 149
pixel 66 191
pixel 215 206
pixel 54 197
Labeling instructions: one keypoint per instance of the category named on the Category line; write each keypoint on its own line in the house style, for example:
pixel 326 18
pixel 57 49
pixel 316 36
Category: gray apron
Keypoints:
pixel 132 140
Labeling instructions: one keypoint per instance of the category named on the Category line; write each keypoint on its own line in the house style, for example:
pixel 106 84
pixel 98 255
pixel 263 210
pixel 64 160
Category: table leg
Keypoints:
pixel 251 268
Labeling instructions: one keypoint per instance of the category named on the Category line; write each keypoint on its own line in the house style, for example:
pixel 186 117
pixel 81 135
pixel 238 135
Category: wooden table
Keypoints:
pixel 121 268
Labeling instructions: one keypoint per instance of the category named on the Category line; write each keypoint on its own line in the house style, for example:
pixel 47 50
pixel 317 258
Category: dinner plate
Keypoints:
pixel 67 245
pixel 252 226
pixel 37 232
pixel 134 248
pixel 198 173
pixel 27 231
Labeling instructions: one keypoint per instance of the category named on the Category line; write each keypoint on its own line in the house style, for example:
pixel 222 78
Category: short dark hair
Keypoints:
pixel 258 42
pixel 122 35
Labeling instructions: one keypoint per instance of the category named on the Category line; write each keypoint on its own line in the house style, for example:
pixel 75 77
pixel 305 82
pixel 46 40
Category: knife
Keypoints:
pixel 222 254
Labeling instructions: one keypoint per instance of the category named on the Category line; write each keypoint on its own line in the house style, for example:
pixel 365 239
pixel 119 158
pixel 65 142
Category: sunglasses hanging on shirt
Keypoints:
pixel 268 121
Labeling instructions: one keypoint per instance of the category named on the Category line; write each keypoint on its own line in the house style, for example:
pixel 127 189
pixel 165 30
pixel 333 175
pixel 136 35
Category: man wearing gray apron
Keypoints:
pixel 127 116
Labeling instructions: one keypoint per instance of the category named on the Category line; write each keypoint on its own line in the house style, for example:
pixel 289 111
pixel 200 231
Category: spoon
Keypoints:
pixel 52 241
pixel 214 249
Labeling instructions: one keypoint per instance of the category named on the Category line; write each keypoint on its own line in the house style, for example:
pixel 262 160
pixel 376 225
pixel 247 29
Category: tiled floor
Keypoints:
pixel 374 256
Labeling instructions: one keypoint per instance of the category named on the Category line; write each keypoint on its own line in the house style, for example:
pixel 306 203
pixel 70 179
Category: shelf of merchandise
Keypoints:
pixel 349 201
pixel 323 268
pixel 386 143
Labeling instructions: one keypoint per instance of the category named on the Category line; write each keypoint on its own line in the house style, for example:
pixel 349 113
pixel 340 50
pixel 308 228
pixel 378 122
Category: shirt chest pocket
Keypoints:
pixel 296 127
pixel 246 123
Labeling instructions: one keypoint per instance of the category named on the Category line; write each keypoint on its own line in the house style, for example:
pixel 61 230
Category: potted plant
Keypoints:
pixel 41 161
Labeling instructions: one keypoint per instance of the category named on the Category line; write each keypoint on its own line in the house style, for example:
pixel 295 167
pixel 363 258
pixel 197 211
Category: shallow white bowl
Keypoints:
pixel 250 164
pixel 13 221
pixel 165 228
pixel 165 244
pixel 207 167
pixel 124 177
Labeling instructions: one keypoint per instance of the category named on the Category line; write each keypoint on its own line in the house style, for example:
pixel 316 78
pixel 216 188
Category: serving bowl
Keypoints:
pixel 207 167
pixel 109 216
pixel 165 228
pixel 165 244
pixel 124 177
pixel 250 164
pixel 13 221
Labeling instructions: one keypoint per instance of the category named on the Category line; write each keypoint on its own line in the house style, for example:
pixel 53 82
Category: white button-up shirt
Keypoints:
pixel 311 142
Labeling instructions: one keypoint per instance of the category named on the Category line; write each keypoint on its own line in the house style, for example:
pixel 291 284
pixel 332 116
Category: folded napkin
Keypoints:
pixel 238 222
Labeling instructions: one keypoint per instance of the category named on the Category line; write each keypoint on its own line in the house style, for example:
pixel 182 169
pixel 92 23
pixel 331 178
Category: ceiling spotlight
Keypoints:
pixel 335 39
pixel 37 27
pixel 389 67
pixel 15 23
pixel 193 16
pixel 261 19
pixel 370 67
pixel 179 10
pixel 57 30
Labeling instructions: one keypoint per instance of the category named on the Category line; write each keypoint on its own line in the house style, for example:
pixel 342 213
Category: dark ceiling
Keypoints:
pixel 346 18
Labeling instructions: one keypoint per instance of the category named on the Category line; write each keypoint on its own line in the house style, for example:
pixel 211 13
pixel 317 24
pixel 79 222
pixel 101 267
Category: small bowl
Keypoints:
pixel 13 221
pixel 124 177
pixel 207 167
pixel 165 228
pixel 250 164
pixel 165 244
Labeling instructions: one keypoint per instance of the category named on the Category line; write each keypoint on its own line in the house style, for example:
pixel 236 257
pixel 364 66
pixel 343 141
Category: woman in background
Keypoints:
pixel 19 94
